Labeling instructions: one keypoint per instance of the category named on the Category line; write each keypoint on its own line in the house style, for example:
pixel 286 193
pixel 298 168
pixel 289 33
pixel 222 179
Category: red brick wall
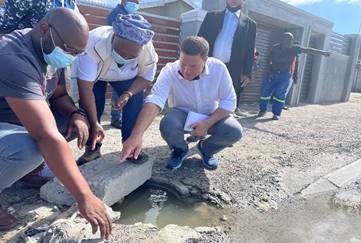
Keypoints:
pixel 166 37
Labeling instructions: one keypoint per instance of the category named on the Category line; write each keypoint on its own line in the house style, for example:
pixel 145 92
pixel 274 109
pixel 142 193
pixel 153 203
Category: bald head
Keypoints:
pixel 67 28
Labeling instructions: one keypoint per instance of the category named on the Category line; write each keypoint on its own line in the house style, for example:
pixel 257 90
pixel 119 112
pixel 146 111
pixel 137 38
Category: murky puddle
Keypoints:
pixel 313 220
pixel 161 208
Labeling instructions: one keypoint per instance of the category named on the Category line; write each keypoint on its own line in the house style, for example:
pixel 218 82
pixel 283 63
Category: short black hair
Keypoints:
pixel 195 45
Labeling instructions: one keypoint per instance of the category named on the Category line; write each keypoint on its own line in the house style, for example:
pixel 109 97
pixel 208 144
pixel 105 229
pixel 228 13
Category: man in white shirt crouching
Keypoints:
pixel 195 83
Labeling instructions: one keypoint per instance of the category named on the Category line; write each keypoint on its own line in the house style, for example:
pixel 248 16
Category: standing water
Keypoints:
pixel 314 220
pixel 161 208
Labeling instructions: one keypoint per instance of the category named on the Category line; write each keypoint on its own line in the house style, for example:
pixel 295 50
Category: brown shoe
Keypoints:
pixel 89 155
pixel 7 221
pixel 34 179
pixel 238 112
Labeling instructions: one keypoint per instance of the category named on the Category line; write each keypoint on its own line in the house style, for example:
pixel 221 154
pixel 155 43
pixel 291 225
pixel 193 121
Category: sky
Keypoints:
pixel 345 14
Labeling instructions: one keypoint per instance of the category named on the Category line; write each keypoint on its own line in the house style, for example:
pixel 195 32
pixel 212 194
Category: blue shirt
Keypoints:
pixel 21 14
pixel 223 44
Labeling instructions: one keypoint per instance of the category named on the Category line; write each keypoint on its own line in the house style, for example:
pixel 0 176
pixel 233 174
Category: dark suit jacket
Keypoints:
pixel 243 43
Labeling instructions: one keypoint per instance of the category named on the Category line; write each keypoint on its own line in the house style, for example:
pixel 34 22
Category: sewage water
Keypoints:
pixel 161 208
pixel 314 220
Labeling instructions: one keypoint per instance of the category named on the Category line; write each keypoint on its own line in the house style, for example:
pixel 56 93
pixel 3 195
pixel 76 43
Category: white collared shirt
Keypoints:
pixel 86 69
pixel 223 44
pixel 213 90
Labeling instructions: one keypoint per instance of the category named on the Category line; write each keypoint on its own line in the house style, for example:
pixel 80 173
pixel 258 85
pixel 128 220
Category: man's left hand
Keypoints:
pixel 78 123
pixel 245 80
pixel 200 129
pixel 122 101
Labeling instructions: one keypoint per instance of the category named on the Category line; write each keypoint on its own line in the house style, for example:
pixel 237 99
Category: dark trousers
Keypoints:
pixel 278 85
pixel 130 111
pixel 236 84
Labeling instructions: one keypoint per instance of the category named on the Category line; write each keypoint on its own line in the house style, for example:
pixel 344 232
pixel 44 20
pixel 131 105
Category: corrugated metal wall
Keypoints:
pixel 267 36
pixel 340 44
pixel 307 75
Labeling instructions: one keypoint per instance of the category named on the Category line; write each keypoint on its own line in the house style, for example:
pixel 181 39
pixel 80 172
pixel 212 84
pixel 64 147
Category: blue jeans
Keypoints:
pixel 19 153
pixel 131 110
pixel 223 134
pixel 115 114
pixel 279 84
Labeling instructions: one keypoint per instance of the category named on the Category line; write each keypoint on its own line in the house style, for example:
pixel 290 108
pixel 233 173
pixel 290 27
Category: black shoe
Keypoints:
pixel 238 112
pixel 89 155
pixel 116 124
pixel 261 114
pixel 276 118
pixel 34 179
pixel 142 158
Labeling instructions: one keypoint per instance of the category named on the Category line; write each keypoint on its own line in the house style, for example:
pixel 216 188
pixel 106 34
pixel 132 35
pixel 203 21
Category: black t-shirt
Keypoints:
pixel 23 73
pixel 282 58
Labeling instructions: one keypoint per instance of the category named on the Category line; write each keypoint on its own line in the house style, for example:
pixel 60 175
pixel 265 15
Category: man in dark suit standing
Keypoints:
pixel 231 36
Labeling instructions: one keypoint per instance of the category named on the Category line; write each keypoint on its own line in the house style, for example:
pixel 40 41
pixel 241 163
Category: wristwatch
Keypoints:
pixel 78 111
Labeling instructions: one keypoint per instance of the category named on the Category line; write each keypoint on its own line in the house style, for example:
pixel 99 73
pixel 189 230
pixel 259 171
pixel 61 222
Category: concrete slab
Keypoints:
pixel 345 175
pixel 320 186
pixel 109 179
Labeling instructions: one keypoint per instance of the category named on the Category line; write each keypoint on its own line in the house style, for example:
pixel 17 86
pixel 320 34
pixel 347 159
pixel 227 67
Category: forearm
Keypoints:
pixel 64 105
pixel 145 118
pixel 217 116
pixel 87 101
pixel 139 85
pixel 314 51
pixel 58 157
pixel 38 120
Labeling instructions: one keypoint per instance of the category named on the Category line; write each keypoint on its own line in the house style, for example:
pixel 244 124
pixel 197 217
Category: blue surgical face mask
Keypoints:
pixel 121 60
pixel 131 7
pixel 58 58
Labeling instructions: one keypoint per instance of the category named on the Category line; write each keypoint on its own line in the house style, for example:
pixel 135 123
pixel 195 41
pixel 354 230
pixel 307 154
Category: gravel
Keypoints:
pixel 271 164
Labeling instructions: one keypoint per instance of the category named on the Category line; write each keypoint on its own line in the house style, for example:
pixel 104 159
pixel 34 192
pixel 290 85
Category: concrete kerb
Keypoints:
pixel 109 179
pixel 334 180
